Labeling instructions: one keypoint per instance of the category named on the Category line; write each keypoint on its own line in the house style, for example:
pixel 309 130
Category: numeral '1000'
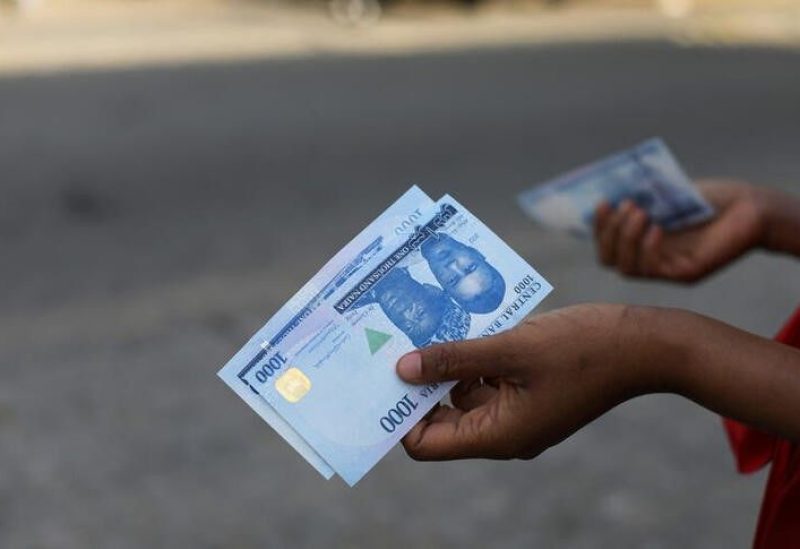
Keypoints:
pixel 268 369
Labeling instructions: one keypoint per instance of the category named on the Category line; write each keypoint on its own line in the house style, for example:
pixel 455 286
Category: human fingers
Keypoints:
pixel 650 256
pixel 467 396
pixel 629 243
pixel 601 216
pixel 609 234
pixel 461 360
pixel 455 434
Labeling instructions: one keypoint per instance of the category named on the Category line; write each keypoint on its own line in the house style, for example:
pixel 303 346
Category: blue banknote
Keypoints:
pixel 397 220
pixel 329 372
pixel 648 174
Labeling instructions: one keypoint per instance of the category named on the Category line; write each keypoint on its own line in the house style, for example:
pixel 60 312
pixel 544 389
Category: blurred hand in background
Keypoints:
pixel 629 243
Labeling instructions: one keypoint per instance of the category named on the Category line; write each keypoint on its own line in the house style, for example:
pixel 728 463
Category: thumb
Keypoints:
pixel 461 360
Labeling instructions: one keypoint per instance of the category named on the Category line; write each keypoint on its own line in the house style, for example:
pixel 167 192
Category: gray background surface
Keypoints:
pixel 151 220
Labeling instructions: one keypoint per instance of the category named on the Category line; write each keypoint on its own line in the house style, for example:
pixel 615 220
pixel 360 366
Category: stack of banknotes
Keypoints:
pixel 321 372
pixel 647 174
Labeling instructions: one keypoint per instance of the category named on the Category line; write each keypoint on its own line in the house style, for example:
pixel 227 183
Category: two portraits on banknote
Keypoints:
pixel 433 300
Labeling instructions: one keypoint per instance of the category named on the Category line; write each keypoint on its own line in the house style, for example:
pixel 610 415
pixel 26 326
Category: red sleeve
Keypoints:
pixel 752 448
pixel 779 520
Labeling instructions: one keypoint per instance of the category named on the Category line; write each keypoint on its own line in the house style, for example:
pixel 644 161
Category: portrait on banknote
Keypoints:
pixel 464 274
pixel 422 311
pixel 431 313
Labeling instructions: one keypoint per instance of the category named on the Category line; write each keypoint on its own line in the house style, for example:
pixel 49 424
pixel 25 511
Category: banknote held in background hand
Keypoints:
pixel 647 174
pixel 330 372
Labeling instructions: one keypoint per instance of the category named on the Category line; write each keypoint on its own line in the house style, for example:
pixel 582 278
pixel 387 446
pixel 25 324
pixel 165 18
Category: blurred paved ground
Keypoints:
pixel 150 221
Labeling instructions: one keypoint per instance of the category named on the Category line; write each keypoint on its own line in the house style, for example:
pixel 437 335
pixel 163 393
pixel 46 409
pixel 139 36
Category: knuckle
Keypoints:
pixel 414 452
pixel 631 231
pixel 474 437
pixel 414 449
pixel 445 362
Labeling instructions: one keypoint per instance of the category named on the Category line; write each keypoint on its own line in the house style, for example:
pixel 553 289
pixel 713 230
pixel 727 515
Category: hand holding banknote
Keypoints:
pixel 527 389
pixel 647 175
pixel 321 370
pixel 628 241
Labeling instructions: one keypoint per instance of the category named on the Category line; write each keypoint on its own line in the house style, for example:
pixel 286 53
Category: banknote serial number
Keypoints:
pixel 270 367
pixel 397 414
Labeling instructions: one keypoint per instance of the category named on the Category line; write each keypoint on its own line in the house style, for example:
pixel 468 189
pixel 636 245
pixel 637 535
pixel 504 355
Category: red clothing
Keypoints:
pixel 779 522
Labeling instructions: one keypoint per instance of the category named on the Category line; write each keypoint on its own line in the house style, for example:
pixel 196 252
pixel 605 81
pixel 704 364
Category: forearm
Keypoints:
pixel 729 371
pixel 781 220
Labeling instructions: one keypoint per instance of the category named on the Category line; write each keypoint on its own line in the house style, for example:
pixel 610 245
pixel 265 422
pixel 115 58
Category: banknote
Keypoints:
pixel 397 220
pixel 648 174
pixel 330 373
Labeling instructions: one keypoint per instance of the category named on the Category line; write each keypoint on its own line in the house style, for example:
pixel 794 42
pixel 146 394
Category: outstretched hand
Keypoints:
pixel 525 390
pixel 628 242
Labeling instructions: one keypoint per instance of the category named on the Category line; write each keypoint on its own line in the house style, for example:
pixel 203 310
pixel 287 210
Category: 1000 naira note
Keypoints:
pixel 329 370
pixel 647 174
pixel 398 219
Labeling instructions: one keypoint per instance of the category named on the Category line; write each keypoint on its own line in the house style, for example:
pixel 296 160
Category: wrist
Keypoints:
pixel 764 202
pixel 658 345
pixel 779 215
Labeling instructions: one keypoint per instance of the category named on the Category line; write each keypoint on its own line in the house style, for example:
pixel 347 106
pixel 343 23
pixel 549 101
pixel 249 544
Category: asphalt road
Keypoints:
pixel 151 220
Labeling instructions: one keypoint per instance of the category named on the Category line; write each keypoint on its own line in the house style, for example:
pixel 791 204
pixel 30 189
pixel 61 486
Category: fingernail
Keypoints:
pixel 409 367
